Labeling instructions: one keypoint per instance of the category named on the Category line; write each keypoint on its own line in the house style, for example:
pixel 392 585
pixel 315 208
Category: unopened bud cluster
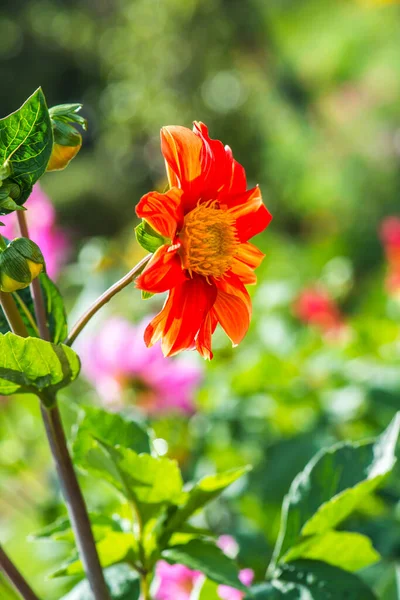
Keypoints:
pixel 21 261
pixel 67 139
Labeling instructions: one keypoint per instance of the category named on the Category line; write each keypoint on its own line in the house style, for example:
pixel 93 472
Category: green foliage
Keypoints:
pixel 329 489
pixel 122 582
pixel 311 580
pixel 97 424
pixel 56 316
pixel 32 365
pixel 26 145
pixel 148 238
pixel 200 555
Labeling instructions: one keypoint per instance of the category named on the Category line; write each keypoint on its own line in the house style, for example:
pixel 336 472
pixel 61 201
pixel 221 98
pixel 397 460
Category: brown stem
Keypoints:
pixel 16 578
pixel 58 444
pixel 106 297
pixel 75 502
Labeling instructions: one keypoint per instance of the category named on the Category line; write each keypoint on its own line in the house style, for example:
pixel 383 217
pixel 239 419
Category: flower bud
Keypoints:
pixel 20 262
pixel 67 140
pixel 9 192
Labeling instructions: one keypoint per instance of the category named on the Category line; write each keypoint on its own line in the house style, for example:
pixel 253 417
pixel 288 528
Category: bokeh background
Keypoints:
pixel 307 93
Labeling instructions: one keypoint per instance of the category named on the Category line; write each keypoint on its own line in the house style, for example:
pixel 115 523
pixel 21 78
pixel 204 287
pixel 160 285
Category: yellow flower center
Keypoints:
pixel 209 240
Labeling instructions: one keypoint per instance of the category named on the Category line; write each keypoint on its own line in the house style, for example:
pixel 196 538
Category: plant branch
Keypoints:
pixel 58 444
pixel 16 578
pixel 12 314
pixel 104 298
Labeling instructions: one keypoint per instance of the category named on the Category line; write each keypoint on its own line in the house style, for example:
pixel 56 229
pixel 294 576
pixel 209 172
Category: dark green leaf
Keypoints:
pixel 122 582
pixel 55 312
pixel 148 238
pixel 203 556
pixel 332 485
pixel 312 580
pixel 32 365
pixel 26 142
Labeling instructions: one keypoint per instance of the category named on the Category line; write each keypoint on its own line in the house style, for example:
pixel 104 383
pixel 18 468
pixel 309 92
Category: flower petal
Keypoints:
pixel 162 211
pixel 163 272
pixel 182 316
pixel 221 173
pixel 252 217
pixel 233 315
pixel 181 149
pixel 248 258
pixel 203 340
pixel 233 307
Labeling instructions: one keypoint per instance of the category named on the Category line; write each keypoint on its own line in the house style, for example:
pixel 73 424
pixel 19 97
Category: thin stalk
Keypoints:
pixel 26 312
pixel 58 444
pixel 145 585
pixel 16 578
pixel 104 298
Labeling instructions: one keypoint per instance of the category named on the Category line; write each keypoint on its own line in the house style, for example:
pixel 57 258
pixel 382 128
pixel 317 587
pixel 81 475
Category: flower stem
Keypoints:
pixel 58 444
pixel 104 298
pixel 75 502
pixel 16 578
pixel 145 585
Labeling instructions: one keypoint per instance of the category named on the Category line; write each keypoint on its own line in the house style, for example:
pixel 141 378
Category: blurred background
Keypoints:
pixel 307 94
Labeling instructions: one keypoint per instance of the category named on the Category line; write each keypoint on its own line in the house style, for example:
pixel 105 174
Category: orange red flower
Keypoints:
pixel 208 216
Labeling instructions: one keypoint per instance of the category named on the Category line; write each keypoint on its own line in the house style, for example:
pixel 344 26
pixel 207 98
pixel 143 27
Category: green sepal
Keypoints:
pixel 148 238
pixel 15 263
pixel 146 295
pixel 68 113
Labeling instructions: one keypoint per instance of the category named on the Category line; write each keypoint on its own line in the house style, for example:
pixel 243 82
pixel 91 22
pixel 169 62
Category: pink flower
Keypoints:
pixel 117 362
pixel 41 217
pixel 315 307
pixel 225 592
pixel 176 582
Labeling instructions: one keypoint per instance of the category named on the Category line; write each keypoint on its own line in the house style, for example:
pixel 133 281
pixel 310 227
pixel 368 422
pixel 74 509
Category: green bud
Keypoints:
pixel 67 140
pixel 20 262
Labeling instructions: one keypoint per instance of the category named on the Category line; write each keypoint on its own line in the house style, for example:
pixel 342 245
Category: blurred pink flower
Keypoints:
pixel 176 582
pixel 116 360
pixel 315 307
pixel 41 218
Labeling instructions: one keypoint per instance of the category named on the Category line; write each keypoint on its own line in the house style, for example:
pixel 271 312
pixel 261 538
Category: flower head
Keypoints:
pixel 41 218
pixel 208 217
pixel 316 307
pixel 157 386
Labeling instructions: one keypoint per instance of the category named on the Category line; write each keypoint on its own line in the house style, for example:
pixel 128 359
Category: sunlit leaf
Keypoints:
pixel 26 142
pixel 122 582
pixel 34 366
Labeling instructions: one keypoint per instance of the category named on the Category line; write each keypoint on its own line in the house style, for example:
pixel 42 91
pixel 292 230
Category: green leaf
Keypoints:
pixel 55 310
pixel 332 485
pixel 148 238
pixel 203 556
pixel 147 481
pixel 122 581
pixel 346 550
pixel 55 313
pixel 32 365
pixel 111 428
pixel 61 530
pixel 202 492
pixel 115 547
pixel 312 580
pixel 26 142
